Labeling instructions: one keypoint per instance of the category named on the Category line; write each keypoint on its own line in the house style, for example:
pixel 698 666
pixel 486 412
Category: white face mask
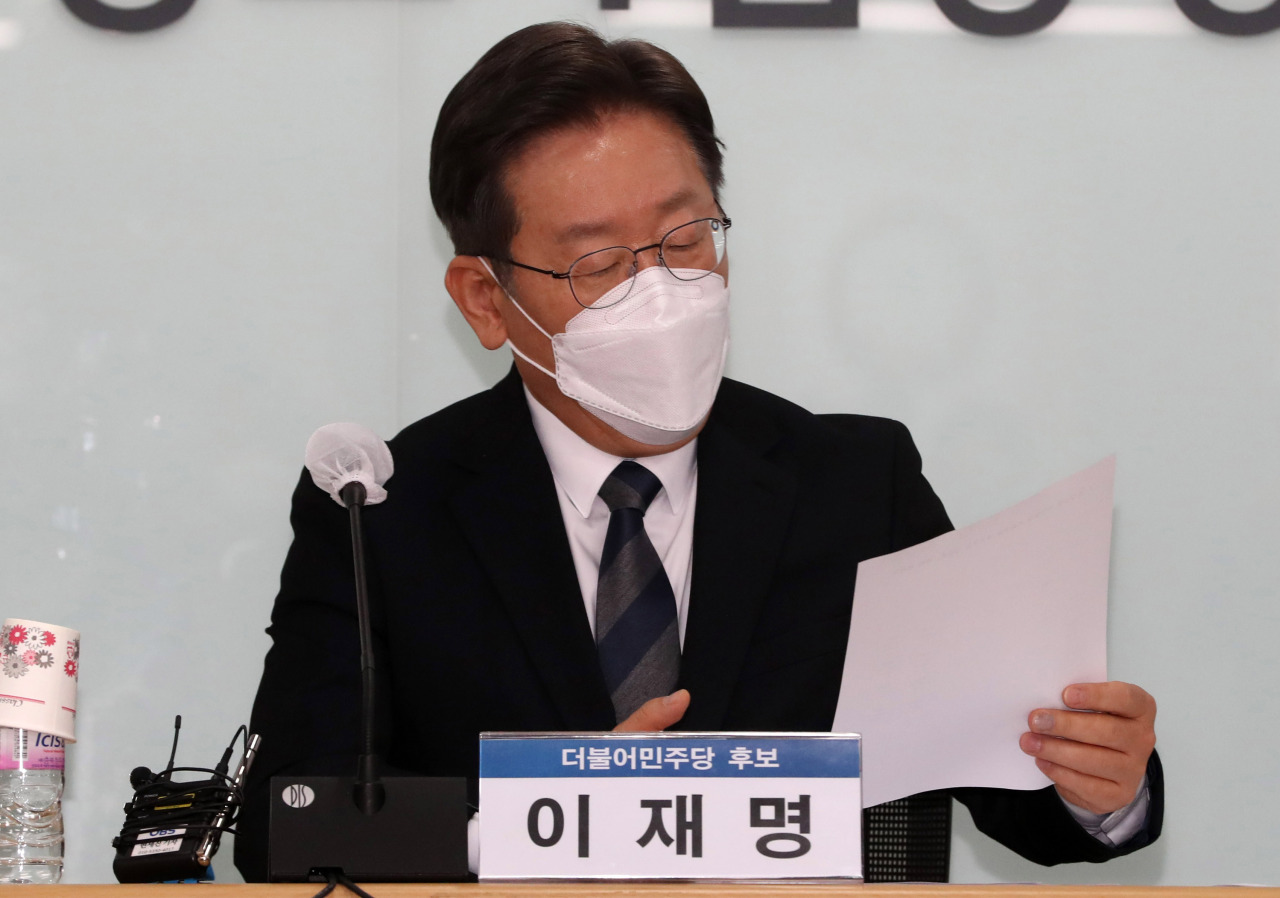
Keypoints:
pixel 648 366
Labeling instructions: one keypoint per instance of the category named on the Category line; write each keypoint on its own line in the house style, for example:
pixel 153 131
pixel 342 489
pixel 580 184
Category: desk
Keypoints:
pixel 651 890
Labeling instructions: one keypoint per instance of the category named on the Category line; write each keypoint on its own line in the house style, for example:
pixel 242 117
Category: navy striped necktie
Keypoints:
pixel 636 632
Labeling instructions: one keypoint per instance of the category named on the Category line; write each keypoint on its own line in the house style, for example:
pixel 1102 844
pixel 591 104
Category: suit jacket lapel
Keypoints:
pixel 744 503
pixel 511 516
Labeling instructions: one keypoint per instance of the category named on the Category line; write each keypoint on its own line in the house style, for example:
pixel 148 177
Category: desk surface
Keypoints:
pixel 651 890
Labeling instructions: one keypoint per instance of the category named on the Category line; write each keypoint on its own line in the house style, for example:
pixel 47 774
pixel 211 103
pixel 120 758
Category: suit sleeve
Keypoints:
pixel 918 514
pixel 1033 823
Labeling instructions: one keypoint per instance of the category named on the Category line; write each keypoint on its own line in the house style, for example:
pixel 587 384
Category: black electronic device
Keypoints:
pixel 362 827
pixel 419 834
pixel 172 828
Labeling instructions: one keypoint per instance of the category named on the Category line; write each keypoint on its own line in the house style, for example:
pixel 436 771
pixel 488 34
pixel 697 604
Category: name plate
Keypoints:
pixel 670 806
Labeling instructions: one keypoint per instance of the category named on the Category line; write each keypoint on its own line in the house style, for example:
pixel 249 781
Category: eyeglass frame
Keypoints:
pixel 566 276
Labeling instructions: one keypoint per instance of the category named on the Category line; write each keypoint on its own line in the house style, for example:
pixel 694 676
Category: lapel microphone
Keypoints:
pixel 172 828
pixel 364 828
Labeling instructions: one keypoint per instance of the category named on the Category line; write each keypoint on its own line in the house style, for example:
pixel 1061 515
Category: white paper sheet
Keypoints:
pixel 954 641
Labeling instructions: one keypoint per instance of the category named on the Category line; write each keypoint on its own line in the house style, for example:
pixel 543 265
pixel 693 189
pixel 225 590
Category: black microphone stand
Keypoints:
pixel 406 829
pixel 368 792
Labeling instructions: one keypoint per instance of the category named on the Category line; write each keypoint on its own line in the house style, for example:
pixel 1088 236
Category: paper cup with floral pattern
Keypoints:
pixel 39 671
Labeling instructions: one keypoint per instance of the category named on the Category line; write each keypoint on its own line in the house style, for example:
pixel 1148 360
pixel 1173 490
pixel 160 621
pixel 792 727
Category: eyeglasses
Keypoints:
pixel 690 252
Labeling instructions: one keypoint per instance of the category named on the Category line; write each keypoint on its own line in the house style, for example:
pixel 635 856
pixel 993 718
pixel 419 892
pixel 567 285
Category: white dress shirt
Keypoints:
pixel 580 469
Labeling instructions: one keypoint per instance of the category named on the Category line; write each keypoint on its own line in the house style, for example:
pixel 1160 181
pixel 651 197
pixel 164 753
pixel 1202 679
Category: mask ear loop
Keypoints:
pixel 515 349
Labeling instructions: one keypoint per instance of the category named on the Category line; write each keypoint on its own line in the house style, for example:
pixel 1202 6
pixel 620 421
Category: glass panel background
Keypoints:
pixel 1035 251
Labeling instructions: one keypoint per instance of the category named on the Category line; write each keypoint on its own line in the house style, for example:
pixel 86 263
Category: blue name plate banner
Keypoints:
pixel 670 806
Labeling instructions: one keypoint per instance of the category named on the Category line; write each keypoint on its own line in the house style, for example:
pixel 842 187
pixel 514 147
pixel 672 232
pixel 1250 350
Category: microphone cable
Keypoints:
pixel 335 879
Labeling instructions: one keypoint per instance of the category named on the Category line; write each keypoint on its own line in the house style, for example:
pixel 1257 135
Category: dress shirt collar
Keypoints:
pixel 580 468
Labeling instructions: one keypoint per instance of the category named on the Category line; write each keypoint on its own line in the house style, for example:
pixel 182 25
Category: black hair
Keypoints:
pixel 538 80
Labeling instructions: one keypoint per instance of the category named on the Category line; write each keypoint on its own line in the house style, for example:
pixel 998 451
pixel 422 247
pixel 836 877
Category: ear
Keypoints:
pixel 479 297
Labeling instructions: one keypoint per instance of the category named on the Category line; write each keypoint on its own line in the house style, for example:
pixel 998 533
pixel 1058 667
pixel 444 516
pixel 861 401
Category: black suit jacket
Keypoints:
pixel 480 624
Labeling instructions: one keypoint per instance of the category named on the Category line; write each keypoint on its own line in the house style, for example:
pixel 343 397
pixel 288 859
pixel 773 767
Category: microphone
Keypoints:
pixel 342 457
pixel 362 828
pixel 172 828
pixel 351 463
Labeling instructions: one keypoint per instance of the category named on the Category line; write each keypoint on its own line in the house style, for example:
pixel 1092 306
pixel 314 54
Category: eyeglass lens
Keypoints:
pixel 689 252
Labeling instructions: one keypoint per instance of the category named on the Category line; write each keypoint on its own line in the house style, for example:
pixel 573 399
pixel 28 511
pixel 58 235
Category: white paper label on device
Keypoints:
pixel 162 847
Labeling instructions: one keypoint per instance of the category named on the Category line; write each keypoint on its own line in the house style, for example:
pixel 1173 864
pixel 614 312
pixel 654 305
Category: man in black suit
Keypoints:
pixel 579 181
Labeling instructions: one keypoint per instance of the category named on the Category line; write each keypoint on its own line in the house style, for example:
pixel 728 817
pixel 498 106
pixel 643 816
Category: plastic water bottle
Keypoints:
pixel 31 766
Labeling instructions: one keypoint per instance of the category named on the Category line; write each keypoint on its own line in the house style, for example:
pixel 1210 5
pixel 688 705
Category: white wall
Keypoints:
pixel 1035 251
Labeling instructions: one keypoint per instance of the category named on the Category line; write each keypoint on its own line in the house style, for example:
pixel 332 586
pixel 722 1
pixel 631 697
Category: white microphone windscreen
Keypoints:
pixel 338 454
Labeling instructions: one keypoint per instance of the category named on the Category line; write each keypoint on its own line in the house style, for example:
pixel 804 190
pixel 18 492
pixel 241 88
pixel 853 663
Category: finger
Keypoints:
pixel 1121 699
pixel 1089 760
pixel 657 713
pixel 1108 730
pixel 1101 796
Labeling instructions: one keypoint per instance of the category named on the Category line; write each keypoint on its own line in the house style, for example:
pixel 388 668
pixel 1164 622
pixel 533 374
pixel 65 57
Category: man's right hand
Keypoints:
pixel 656 714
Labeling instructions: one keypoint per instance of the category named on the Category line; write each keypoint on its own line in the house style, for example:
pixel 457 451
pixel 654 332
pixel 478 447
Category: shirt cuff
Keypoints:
pixel 1120 826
